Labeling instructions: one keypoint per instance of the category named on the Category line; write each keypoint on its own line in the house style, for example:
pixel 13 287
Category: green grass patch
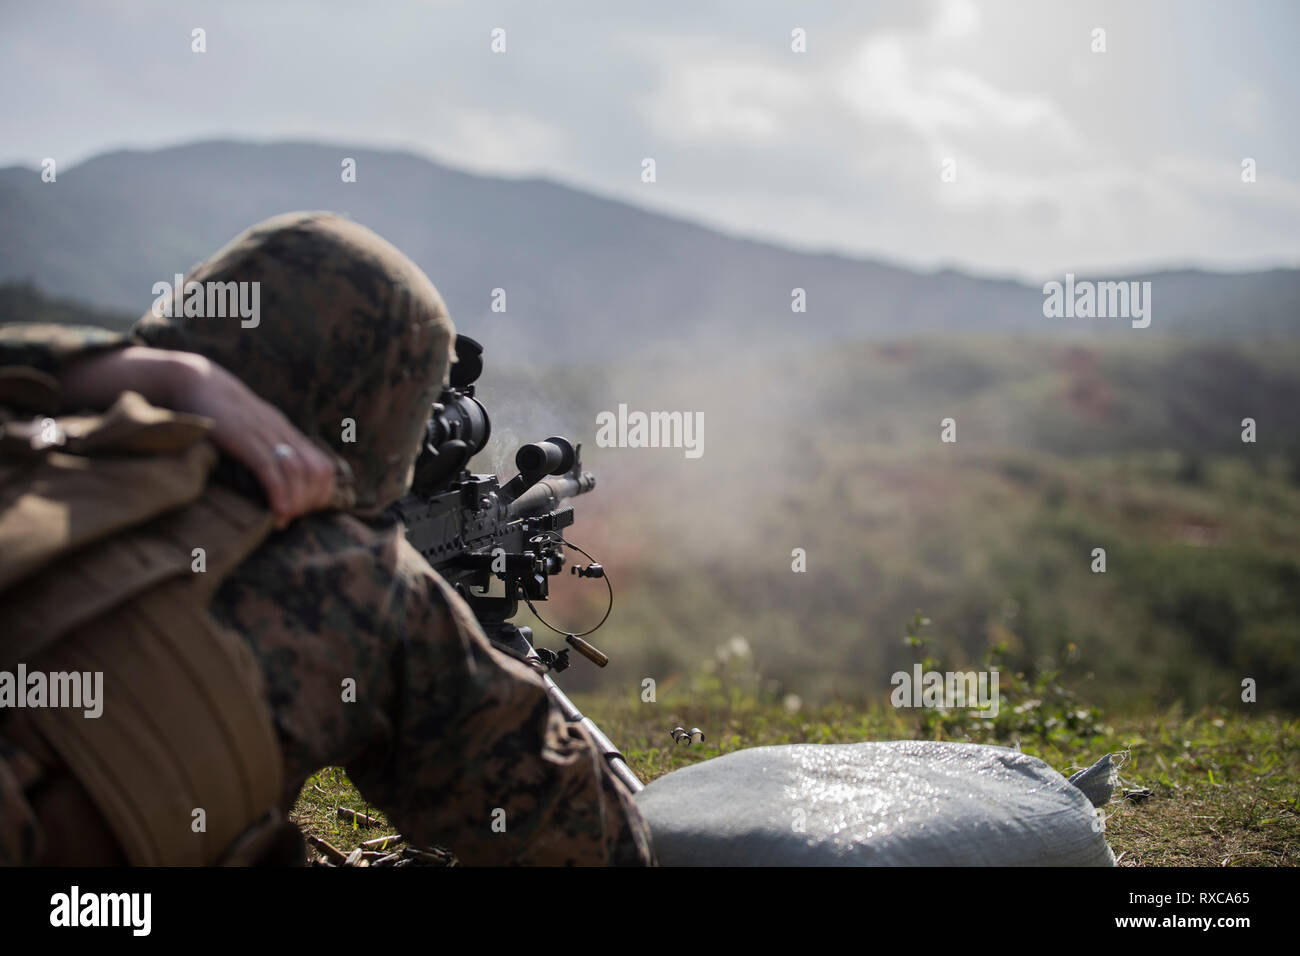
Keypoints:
pixel 1225 787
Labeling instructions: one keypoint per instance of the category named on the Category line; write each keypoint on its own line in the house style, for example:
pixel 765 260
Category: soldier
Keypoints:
pixel 325 641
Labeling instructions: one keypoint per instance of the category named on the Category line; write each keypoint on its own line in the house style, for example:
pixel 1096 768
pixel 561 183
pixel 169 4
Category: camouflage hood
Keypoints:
pixel 348 338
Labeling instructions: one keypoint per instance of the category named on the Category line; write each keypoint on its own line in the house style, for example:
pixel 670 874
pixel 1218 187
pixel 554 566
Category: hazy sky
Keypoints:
pixel 1065 159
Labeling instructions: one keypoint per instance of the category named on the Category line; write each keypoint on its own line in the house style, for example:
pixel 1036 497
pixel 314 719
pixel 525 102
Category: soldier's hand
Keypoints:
pixel 298 477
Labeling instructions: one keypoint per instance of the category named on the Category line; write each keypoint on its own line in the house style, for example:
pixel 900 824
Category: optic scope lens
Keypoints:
pixel 459 417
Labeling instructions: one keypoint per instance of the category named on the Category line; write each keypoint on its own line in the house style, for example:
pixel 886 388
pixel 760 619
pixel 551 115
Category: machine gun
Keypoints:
pixel 499 544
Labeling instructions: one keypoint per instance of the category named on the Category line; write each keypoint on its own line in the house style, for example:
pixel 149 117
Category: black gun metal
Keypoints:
pixel 499 544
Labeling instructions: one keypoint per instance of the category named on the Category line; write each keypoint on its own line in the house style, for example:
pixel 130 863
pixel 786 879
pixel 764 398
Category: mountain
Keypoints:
pixel 594 278
pixel 24 302
pixel 1060 448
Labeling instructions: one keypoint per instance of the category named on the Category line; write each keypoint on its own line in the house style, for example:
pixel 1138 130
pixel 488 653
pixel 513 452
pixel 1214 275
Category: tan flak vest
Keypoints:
pixel 100 517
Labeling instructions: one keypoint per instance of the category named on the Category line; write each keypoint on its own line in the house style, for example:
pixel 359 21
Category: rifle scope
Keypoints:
pixel 458 416
pixel 458 426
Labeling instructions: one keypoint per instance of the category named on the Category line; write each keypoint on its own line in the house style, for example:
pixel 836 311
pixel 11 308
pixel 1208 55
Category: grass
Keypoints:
pixel 1225 786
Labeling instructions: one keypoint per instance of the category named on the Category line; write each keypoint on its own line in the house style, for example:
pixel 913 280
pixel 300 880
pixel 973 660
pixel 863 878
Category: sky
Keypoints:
pixel 985 136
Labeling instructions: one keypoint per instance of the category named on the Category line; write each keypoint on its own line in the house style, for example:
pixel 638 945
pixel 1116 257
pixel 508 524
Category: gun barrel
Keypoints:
pixel 547 494
pixel 617 764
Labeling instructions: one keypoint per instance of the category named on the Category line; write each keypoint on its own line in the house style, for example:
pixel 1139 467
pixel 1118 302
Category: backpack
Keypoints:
pixel 112 543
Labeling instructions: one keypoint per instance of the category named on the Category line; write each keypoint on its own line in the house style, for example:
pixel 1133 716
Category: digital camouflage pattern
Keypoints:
pixel 20 832
pixel 371 660
pixel 47 347
pixel 444 730
pixel 349 329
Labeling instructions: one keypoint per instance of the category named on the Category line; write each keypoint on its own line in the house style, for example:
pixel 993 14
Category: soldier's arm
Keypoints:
pixel 298 476
pixel 373 663
pixel 480 761
pixel 93 367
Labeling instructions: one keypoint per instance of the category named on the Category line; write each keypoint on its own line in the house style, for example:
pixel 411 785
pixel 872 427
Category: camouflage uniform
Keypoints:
pixel 444 733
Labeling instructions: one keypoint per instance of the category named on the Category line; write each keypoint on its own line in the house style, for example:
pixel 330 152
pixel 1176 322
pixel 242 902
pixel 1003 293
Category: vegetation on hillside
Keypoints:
pixel 24 302
pixel 1060 451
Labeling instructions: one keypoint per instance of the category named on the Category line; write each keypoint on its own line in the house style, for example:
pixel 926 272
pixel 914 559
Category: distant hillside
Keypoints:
pixel 593 278
pixel 1060 449
pixel 23 302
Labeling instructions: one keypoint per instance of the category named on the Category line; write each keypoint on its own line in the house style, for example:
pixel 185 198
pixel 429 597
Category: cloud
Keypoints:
pixel 956 18
pixel 1064 158
pixel 729 99
pixel 510 143
pixel 1054 170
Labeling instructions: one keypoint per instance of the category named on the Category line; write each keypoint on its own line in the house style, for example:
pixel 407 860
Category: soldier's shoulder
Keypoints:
pixel 54 333
pixel 341 547
pixel 46 346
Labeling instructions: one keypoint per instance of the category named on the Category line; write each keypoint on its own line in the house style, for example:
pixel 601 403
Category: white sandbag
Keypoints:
pixel 895 803
pixel 1098 781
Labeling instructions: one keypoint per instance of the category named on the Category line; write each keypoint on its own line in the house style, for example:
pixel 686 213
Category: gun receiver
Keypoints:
pixel 498 545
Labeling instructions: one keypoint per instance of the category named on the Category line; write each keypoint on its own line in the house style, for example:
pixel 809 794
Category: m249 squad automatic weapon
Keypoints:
pixel 496 544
